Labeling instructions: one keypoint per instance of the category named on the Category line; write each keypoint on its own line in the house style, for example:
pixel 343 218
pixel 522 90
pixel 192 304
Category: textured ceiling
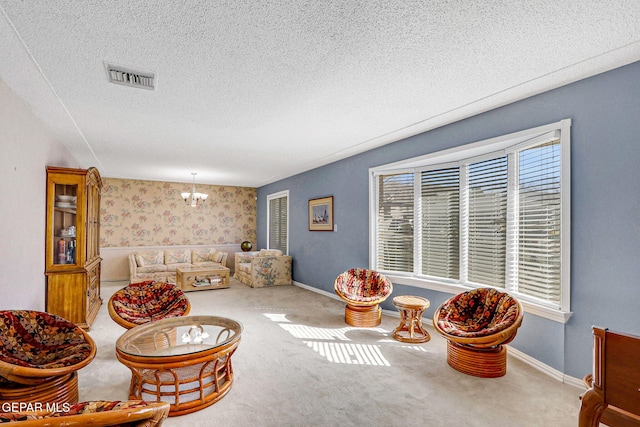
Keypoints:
pixel 249 92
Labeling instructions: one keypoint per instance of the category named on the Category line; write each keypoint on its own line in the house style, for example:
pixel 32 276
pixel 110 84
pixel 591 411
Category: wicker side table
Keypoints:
pixel 410 329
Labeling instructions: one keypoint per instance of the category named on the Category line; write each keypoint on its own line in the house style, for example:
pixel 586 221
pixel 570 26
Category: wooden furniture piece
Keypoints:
pixel 410 329
pixel 477 324
pixel 144 302
pixel 193 372
pixel 363 290
pixel 72 252
pixel 99 413
pixel 202 278
pixel 614 394
pixel 40 357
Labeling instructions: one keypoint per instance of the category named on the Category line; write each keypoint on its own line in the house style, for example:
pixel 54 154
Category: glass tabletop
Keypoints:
pixel 179 336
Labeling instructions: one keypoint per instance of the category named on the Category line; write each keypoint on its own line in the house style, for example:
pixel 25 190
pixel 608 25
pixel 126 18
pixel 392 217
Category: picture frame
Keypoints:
pixel 321 214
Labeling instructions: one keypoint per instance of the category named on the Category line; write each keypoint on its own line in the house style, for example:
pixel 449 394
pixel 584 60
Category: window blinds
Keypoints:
pixel 278 224
pixel 440 214
pixel 395 222
pixel 487 231
pixel 539 221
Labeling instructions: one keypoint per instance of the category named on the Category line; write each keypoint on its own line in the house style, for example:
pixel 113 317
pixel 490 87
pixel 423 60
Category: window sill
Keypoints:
pixel 529 307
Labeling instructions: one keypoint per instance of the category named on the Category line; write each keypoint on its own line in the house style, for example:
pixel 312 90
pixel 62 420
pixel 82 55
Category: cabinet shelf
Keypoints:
pixel 65 210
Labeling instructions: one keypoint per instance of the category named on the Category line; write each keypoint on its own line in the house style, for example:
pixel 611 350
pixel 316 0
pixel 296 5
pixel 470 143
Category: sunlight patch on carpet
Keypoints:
pixel 349 353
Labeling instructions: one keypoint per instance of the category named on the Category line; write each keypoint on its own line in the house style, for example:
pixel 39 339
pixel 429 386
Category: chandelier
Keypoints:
pixel 193 198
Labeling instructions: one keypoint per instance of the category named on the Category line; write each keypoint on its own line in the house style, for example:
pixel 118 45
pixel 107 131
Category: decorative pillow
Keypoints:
pixel 201 255
pixel 149 258
pixel 139 260
pixel 176 256
pixel 217 257
pixel 270 252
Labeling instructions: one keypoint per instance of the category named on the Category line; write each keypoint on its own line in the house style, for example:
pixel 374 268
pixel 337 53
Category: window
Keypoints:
pixel 278 220
pixel 493 213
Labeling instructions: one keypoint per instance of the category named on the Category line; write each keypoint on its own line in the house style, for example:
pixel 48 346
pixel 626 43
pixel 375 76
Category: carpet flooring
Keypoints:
pixel 299 364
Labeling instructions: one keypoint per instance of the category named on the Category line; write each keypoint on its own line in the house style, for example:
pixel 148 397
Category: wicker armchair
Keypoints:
pixel 133 413
pixel 363 290
pixel 476 324
pixel 144 302
pixel 40 354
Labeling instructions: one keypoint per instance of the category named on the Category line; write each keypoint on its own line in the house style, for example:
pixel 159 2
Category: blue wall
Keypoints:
pixel 605 227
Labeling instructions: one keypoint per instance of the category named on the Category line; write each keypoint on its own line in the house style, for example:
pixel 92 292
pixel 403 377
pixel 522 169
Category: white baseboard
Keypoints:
pixel 535 363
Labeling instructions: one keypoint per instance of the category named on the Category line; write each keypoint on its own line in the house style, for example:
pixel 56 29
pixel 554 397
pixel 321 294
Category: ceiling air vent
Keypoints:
pixel 129 77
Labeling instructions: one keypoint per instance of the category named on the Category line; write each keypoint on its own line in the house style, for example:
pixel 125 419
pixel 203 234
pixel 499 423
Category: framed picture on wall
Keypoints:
pixel 321 214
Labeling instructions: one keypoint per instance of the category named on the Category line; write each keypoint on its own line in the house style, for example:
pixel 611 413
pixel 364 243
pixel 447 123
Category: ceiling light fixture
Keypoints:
pixel 193 198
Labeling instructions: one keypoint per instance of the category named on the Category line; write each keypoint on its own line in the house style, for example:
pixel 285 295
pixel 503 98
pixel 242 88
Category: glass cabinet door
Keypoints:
pixel 65 223
pixel 66 202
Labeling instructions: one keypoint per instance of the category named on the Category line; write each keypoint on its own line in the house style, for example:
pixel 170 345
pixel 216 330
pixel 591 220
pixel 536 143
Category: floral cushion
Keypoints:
pixel 10 417
pixel 173 267
pixel 90 407
pixel 204 255
pixel 155 268
pixel 177 256
pixel 94 406
pixel 148 301
pixel 149 258
pixel 362 285
pixel 41 340
pixel 479 312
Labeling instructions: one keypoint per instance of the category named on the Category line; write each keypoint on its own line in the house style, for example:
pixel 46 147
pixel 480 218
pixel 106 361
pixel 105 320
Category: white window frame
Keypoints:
pixel 463 155
pixel 278 195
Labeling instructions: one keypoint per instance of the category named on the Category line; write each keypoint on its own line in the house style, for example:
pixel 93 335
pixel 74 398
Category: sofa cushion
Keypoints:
pixel 149 258
pixel 157 268
pixel 206 254
pixel 207 264
pixel 173 266
pixel 270 252
pixel 173 256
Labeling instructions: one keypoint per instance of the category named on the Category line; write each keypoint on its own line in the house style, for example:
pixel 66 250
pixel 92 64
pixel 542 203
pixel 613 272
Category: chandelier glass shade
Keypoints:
pixel 193 198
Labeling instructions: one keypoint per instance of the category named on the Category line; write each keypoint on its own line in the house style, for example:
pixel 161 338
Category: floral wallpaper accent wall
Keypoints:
pixel 152 213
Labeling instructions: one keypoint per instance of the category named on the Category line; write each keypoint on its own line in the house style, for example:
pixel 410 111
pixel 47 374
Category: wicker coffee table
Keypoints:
pixel 188 363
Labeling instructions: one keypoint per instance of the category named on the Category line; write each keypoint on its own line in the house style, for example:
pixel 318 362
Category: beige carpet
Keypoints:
pixel 299 364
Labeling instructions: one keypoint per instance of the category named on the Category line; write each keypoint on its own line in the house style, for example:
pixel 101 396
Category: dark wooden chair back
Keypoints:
pixel 614 396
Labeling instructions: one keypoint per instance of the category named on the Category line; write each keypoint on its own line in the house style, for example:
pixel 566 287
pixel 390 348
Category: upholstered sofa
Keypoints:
pixel 266 267
pixel 161 264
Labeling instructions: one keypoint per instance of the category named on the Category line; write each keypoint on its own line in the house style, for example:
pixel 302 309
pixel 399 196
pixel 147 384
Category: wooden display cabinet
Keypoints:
pixel 72 251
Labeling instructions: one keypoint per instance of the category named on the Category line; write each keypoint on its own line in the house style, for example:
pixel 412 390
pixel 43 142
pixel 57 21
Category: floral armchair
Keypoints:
pixel 266 267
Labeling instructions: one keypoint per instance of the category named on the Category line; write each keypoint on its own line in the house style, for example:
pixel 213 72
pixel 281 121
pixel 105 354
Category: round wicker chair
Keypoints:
pixel 130 413
pixel 477 324
pixel 40 354
pixel 140 303
pixel 363 290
